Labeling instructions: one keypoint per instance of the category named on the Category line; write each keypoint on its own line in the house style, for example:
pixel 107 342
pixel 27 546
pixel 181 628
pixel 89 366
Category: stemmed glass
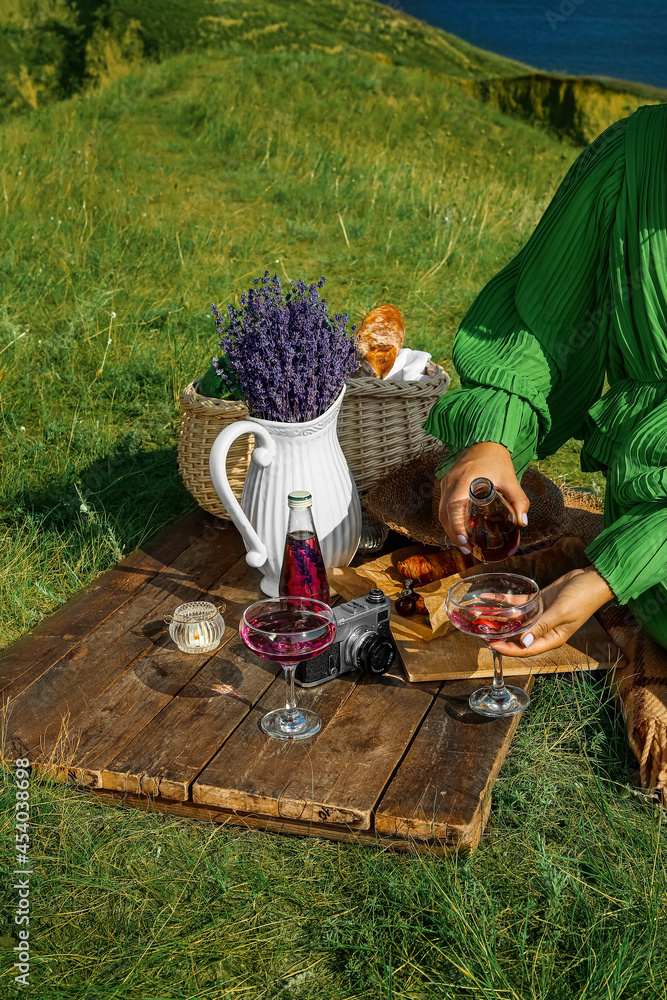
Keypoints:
pixel 495 606
pixel 287 630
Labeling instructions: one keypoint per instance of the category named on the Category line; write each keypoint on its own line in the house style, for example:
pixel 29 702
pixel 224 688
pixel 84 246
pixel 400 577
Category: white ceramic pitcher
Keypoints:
pixel 287 457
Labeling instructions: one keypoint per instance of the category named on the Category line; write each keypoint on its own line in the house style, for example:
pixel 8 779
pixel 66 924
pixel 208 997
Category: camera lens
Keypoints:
pixel 375 654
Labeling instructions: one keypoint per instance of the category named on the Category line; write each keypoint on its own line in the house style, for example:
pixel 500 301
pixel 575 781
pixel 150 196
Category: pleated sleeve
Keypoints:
pixel 627 430
pixel 530 351
pixel 631 552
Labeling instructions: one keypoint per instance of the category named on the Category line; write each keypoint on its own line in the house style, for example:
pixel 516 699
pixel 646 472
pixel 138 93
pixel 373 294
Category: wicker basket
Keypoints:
pixel 380 424
pixel 379 428
pixel 202 419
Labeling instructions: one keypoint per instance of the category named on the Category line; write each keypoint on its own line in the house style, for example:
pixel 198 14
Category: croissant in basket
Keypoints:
pixel 381 337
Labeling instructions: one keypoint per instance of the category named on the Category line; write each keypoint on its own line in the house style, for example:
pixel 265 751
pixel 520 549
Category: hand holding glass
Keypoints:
pixel 287 630
pixel 495 606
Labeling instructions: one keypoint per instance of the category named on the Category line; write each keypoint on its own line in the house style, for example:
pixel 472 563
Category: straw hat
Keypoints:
pixel 407 500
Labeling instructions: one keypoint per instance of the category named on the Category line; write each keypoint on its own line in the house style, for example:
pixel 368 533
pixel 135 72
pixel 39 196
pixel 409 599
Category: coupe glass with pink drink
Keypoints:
pixel 287 630
pixel 495 606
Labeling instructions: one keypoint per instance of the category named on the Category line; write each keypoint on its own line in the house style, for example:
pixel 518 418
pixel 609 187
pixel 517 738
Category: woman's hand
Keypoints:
pixel 495 463
pixel 568 603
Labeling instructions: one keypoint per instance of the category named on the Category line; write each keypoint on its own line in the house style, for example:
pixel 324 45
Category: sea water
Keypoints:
pixel 613 38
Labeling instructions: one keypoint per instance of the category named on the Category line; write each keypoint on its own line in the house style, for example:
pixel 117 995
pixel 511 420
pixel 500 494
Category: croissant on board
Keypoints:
pixel 544 566
pixel 436 566
pixel 381 337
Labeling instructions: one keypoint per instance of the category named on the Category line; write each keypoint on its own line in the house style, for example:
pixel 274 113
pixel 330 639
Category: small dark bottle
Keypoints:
pixel 303 573
pixel 406 602
pixel 492 533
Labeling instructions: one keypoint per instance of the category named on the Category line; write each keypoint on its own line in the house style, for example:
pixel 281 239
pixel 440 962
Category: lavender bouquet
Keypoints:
pixel 285 354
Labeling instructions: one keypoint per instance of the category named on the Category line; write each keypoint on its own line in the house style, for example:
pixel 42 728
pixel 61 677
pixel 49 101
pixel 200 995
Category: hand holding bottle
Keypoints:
pixel 488 460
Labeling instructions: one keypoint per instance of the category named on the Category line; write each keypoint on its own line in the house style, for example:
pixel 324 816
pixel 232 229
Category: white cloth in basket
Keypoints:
pixel 409 366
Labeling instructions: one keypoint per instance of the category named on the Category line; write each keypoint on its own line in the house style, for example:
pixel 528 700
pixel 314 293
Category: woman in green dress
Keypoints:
pixel 584 299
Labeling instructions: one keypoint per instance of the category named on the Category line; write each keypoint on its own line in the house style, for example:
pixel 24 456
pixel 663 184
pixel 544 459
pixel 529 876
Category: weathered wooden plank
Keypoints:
pixel 262 824
pixel 61 695
pixel 364 743
pixel 441 792
pixel 28 658
pixel 250 771
pixel 137 698
pixel 133 701
pixel 167 755
pixel 337 777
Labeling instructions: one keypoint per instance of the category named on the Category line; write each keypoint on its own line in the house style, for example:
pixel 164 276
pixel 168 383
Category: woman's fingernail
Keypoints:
pixel 524 519
pixel 465 550
pixel 463 540
pixel 528 639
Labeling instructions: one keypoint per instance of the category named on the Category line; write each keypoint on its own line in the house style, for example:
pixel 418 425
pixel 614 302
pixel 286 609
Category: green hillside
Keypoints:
pixel 155 157
pixel 171 188
pixel 52 48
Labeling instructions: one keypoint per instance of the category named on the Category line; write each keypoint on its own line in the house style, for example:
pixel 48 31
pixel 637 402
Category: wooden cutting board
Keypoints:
pixel 456 656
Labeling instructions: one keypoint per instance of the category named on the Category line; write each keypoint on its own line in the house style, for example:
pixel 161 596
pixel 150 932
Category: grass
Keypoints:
pixel 172 189
pixel 125 212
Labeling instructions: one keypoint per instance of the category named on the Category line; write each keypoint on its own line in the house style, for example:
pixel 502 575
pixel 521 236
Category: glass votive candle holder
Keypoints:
pixel 373 534
pixel 197 627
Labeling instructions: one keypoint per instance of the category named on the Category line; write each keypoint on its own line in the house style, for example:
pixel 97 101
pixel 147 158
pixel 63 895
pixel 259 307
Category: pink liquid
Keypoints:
pixel 303 573
pixel 285 642
pixel 492 619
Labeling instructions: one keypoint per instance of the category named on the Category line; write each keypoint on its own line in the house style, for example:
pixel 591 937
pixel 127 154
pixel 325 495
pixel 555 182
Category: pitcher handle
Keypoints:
pixel 263 455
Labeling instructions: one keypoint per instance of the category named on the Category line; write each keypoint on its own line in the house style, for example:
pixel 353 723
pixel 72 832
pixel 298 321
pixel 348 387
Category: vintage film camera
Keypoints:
pixel 363 642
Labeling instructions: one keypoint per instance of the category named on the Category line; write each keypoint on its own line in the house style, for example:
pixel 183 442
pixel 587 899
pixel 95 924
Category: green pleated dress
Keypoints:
pixel 586 297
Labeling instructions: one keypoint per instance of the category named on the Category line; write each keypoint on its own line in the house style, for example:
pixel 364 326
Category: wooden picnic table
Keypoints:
pixel 99 695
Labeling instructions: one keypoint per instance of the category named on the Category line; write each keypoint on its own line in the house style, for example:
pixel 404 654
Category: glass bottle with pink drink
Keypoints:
pixel 303 573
